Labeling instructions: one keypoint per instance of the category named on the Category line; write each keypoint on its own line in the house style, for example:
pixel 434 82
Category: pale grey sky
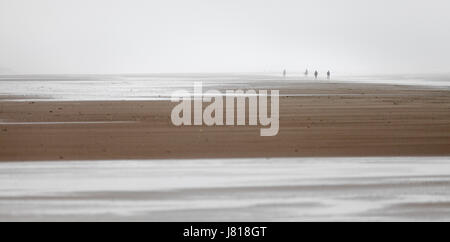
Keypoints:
pixel 149 36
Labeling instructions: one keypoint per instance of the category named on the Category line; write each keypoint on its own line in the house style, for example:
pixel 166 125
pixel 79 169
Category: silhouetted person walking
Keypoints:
pixel 328 75
pixel 316 74
pixel 284 73
pixel 306 72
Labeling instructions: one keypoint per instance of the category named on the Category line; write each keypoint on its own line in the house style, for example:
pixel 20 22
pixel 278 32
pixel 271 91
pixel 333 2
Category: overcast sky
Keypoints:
pixel 151 36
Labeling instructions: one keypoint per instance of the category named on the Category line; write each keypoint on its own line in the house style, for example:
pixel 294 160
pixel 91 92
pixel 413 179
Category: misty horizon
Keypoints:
pixel 116 37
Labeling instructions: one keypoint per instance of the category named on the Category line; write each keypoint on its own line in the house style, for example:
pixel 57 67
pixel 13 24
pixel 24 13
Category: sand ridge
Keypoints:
pixel 375 120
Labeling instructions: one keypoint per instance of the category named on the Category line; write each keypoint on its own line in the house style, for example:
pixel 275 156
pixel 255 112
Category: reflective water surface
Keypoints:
pixel 160 87
pixel 279 189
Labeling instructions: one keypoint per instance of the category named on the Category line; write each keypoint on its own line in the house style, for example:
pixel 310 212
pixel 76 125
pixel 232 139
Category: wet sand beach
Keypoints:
pixel 276 189
pixel 91 151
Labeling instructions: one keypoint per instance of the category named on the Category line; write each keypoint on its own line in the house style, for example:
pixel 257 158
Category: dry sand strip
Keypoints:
pixel 391 121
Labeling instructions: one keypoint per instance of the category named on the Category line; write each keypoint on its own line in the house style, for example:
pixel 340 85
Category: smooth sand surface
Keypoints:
pixel 316 120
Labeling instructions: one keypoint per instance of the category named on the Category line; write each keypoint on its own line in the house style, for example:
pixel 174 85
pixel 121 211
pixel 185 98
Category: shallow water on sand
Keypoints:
pixel 160 87
pixel 278 189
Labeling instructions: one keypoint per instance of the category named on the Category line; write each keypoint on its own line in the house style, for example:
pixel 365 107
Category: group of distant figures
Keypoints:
pixel 316 74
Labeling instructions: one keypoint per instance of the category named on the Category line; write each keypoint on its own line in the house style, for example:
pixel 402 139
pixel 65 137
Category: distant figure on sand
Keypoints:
pixel 284 73
pixel 306 72
pixel 328 75
pixel 316 73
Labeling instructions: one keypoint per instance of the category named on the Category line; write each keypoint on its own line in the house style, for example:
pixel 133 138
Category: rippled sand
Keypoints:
pixel 288 189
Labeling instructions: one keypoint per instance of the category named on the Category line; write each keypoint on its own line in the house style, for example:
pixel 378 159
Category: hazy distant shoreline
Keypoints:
pixel 148 87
